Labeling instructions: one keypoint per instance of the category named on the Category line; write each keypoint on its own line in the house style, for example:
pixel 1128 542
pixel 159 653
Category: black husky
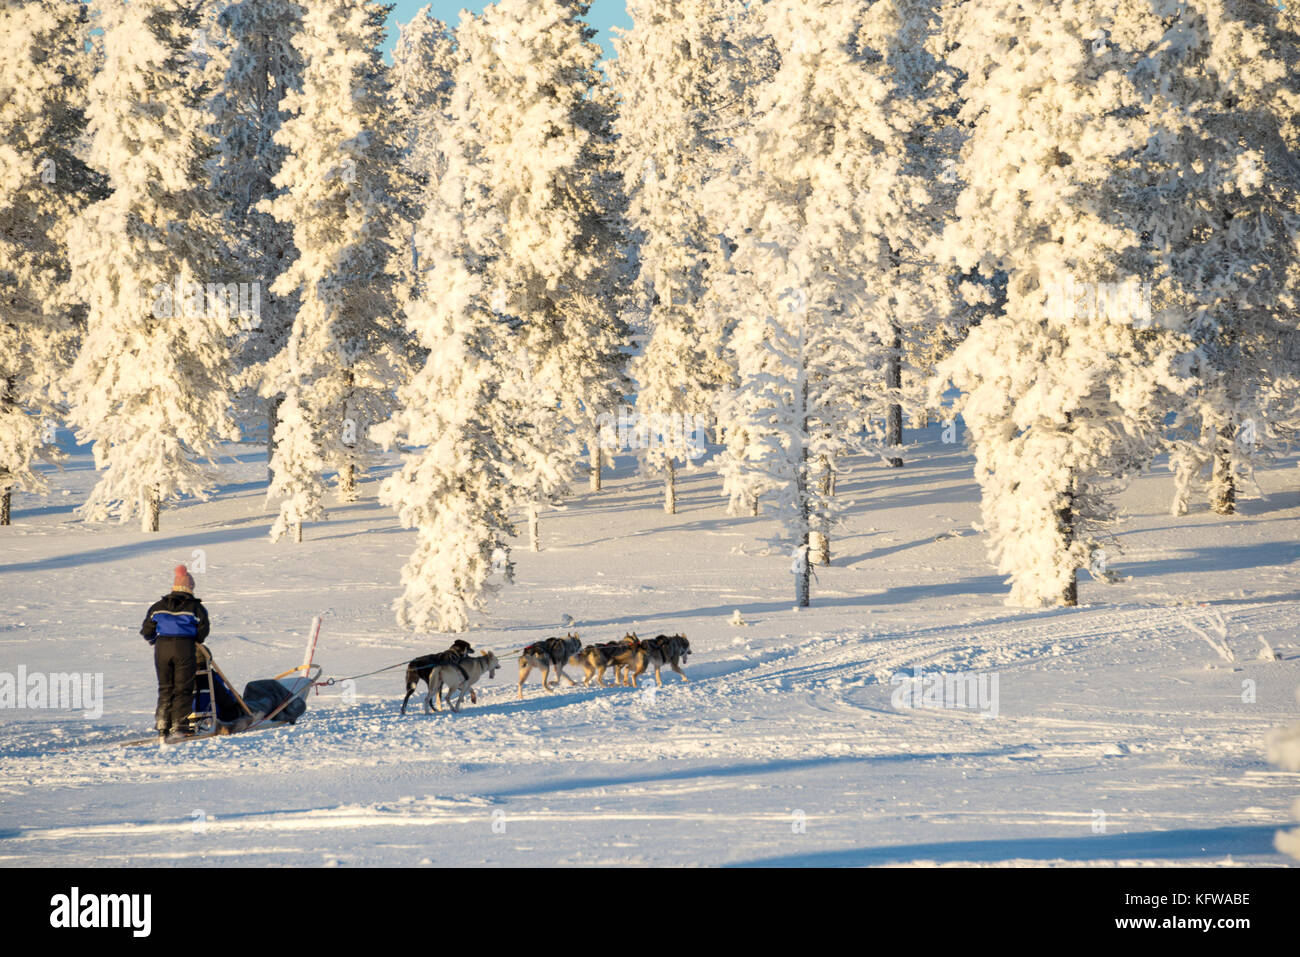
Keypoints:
pixel 421 668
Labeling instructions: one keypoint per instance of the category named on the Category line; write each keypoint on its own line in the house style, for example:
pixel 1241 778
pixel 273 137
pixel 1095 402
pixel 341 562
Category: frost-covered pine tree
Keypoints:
pixel 1061 390
pixel 748 59
pixel 905 202
pixel 804 240
pixel 424 67
pixel 1224 88
pixel 424 63
pixel 423 77
pixel 794 364
pixel 543 122
pixel 263 66
pixel 45 66
pixel 347 351
pixel 151 384
pixel 454 486
pixel 670 145
pixel 888 86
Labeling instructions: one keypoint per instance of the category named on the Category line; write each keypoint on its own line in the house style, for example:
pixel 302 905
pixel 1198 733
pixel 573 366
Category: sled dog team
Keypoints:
pixel 458 669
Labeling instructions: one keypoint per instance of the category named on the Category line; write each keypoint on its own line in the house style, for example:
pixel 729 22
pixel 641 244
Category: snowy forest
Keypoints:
pixel 765 236
pixel 907 391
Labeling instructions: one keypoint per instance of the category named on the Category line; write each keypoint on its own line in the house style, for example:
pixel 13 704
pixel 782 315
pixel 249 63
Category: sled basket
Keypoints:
pixel 219 709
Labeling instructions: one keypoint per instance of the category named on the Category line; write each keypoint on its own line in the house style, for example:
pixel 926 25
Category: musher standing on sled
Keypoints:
pixel 172 625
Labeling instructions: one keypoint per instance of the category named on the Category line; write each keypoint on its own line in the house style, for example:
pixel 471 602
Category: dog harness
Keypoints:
pixel 450 658
pixel 553 648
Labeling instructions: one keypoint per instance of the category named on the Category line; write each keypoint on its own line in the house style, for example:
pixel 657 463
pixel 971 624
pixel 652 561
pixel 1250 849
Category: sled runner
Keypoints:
pixel 220 710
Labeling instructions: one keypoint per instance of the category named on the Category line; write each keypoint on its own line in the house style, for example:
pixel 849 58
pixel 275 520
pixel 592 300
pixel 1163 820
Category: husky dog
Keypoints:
pixel 619 655
pixel 545 655
pixel 459 676
pixel 421 668
pixel 663 650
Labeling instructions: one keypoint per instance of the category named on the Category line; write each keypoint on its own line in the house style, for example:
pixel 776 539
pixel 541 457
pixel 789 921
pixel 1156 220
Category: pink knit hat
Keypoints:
pixel 183 580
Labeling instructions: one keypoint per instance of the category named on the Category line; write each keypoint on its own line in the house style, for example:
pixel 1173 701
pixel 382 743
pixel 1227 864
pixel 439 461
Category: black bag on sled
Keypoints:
pixel 268 694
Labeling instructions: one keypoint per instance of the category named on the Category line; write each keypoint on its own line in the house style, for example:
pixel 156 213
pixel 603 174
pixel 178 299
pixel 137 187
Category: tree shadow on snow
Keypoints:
pixel 182 541
pixel 1215 558
pixel 784 766
pixel 899 595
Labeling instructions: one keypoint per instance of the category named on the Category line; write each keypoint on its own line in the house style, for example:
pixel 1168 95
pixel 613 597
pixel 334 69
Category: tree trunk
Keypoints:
pixel 348 483
pixel 820 547
pixel 597 462
pixel 272 423
pixel 803 570
pixel 1066 517
pixel 534 534
pixel 149 518
pixel 1184 476
pixel 297 533
pixel 1070 597
pixel 802 575
pixel 670 489
pixel 1223 480
pixel 7 403
pixel 753 505
pixel 894 382
pixel 351 430
pixel 821 539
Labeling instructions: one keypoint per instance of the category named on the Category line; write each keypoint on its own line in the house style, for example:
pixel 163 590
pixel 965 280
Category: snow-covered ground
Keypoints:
pixel 1121 734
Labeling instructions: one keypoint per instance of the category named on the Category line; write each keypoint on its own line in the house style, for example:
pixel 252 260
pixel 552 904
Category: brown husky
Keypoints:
pixel 663 650
pixel 545 655
pixel 619 655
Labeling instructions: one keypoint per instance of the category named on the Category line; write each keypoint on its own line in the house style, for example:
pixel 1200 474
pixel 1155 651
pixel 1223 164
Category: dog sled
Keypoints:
pixel 220 710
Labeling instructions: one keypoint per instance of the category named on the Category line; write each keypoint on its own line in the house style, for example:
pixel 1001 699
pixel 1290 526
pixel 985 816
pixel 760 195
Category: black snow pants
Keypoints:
pixel 175 662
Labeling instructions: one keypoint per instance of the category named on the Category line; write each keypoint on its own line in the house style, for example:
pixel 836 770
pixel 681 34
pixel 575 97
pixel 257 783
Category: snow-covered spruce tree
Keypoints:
pixel 454 486
pixel 424 67
pixel 151 384
pixel 423 75
pixel 904 109
pixel 1060 392
pixel 745 481
pixel 907 110
pixel 262 66
pixel 795 362
pixel 1224 87
pixel 45 67
pixel 738 301
pixel 347 351
pixel 802 229
pixel 669 147
pixel 543 121
pixel 747 59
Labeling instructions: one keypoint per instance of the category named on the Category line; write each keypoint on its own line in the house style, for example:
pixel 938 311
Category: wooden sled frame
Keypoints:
pixel 208 725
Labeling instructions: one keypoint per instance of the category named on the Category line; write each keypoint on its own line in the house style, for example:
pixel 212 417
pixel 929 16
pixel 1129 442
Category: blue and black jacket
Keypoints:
pixel 178 615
